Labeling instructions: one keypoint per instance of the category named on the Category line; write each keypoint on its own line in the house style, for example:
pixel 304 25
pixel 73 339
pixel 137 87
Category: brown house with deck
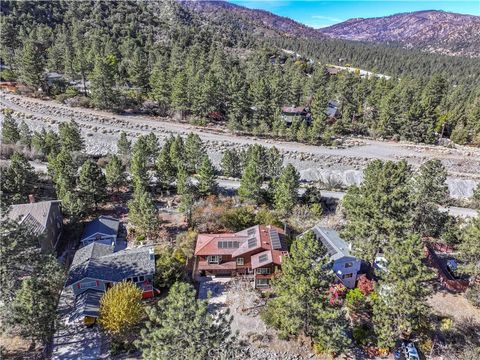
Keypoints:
pixel 256 252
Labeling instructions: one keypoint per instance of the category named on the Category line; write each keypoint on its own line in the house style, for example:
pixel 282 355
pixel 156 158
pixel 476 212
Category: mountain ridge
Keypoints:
pixel 434 31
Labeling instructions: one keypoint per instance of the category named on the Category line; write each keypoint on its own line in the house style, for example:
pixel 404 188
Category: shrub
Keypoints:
pixel 237 219
pixel 121 308
pixel 363 334
pixel 268 217
pixel 365 285
pixel 355 299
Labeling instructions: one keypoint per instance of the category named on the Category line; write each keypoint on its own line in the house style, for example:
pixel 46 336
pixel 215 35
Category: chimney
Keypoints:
pixel 31 198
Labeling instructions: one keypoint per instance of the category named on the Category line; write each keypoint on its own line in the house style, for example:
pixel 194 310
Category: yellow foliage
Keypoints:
pixel 121 307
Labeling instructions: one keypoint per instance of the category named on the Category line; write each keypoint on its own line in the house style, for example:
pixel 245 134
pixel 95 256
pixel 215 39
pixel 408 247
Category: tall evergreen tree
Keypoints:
pixel 25 135
pixel 31 64
pixel 379 208
pixel 206 178
pixel 195 153
pixel 469 251
pixel 230 164
pixel 401 308
pixel 301 303
pixel 103 81
pixel 286 189
pixel 429 189
pixel 70 136
pixel 123 145
pixel 143 213
pixel 181 324
pixel 250 189
pixel 92 183
pixel 10 132
pixel 115 173
pixel 18 179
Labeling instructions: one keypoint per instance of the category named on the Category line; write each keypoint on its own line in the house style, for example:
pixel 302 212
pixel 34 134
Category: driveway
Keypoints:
pixel 216 288
pixel 73 340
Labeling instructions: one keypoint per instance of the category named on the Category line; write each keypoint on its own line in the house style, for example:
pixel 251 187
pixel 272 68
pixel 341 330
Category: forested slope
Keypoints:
pixel 168 59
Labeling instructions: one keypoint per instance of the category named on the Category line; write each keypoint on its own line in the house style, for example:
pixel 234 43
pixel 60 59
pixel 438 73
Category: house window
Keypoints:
pixel 135 279
pixel 141 278
pixel 263 282
pixel 347 276
pixel 264 271
pixel 214 259
pixel 348 265
pixel 240 261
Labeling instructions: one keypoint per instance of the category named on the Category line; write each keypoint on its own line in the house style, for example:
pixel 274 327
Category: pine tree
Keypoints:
pixel 92 183
pixel 31 64
pixel 124 145
pixel 70 136
pixel 177 152
pixel 194 153
pixel 230 164
pixel 160 88
pixel 102 82
pixel 143 214
pixel 429 189
pixel 121 308
pixel 179 98
pixel 401 308
pixel 138 70
pixel 469 251
pixel 138 164
pixel 206 178
pixel 182 181
pixel 274 163
pixel 18 180
pixel 115 173
pixel 10 132
pixel 301 302
pixel 250 189
pixel 379 208
pixel 165 169
pixel 25 135
pixel 181 324
pixel 286 189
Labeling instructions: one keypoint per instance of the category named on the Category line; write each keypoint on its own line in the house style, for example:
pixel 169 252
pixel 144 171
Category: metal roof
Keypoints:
pixel 103 225
pixel 335 245
pixel 98 261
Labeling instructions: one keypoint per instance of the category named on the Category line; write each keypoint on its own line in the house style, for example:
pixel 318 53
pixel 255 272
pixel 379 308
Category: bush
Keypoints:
pixel 355 299
pixel 365 285
pixel 268 217
pixel 169 267
pixel 237 219
pixel 363 335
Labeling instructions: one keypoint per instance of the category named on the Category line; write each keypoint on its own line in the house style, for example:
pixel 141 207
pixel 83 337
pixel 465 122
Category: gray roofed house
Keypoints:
pixel 96 267
pixel 345 265
pixel 43 218
pixel 99 261
pixel 332 109
pixel 103 229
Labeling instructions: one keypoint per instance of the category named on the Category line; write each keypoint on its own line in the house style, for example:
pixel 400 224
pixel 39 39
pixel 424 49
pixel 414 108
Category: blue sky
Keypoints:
pixel 325 13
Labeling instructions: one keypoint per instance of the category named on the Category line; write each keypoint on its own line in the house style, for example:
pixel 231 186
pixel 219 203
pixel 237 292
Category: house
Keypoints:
pixel 256 252
pixel 103 229
pixel 289 113
pixel 43 218
pixel 345 266
pixel 332 109
pixel 96 267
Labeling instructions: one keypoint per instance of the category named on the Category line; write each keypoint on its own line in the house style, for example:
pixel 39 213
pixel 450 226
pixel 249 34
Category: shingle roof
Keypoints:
pixel 34 215
pixel 88 303
pixel 103 224
pixel 335 245
pixel 98 261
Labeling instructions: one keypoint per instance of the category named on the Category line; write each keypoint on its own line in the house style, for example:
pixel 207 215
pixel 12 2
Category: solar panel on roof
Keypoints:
pixel 262 258
pixel 276 243
pixel 251 231
pixel 252 242
pixel 228 244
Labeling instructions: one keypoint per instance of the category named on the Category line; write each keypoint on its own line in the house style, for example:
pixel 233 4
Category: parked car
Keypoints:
pixel 452 266
pixel 410 351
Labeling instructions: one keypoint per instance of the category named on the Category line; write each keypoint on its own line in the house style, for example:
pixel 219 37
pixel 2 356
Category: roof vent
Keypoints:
pixel 151 252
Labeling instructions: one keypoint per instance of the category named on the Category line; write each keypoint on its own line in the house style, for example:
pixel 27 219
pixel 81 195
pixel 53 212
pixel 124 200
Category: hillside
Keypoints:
pixel 433 31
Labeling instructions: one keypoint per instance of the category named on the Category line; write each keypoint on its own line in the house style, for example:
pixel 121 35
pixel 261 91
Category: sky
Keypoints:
pixel 319 14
